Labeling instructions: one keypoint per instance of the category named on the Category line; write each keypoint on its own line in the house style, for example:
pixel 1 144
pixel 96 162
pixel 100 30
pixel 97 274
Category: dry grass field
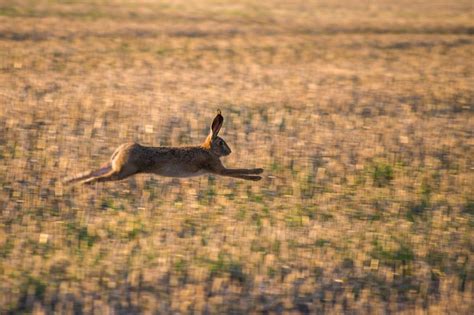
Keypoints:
pixel 360 112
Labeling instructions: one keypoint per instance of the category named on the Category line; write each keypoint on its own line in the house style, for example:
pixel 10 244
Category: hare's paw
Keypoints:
pixel 255 178
pixel 257 171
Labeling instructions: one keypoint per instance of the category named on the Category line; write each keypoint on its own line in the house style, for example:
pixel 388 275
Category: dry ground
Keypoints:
pixel 360 112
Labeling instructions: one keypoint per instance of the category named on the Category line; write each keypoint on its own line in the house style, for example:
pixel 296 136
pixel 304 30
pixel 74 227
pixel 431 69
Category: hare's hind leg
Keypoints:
pixel 121 165
pixel 113 175
pixel 106 168
pixel 105 177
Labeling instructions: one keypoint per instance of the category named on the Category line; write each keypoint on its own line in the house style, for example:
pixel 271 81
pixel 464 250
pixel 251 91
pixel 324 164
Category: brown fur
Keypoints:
pixel 133 158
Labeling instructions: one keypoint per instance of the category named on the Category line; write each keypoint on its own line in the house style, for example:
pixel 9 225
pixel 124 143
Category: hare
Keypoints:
pixel 132 158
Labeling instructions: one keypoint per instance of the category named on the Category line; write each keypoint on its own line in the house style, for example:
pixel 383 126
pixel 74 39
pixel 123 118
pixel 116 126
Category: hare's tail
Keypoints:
pixel 88 175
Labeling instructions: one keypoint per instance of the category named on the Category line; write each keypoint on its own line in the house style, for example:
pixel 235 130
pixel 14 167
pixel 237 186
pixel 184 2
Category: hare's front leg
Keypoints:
pixel 242 173
pixel 229 171
pixel 246 177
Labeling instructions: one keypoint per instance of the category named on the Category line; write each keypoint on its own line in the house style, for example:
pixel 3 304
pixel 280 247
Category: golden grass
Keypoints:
pixel 360 113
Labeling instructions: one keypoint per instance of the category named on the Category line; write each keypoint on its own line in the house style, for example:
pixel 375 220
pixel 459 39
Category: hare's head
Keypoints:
pixel 214 143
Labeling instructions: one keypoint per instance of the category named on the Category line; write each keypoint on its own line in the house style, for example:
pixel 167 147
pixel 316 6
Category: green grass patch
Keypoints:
pixel 382 174
pixel 225 265
pixel 402 255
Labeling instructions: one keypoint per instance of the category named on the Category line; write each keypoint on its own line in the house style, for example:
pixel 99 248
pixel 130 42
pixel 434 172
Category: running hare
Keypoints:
pixel 132 158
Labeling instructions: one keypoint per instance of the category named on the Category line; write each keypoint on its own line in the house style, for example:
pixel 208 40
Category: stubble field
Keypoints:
pixel 361 115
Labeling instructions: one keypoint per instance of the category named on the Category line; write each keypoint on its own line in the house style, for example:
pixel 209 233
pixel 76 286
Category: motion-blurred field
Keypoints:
pixel 361 115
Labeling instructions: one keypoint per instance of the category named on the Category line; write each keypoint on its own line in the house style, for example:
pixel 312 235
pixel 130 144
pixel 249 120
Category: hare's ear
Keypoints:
pixel 217 124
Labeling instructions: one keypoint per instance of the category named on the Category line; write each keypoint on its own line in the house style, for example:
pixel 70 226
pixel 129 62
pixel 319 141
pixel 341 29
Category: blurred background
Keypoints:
pixel 360 112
